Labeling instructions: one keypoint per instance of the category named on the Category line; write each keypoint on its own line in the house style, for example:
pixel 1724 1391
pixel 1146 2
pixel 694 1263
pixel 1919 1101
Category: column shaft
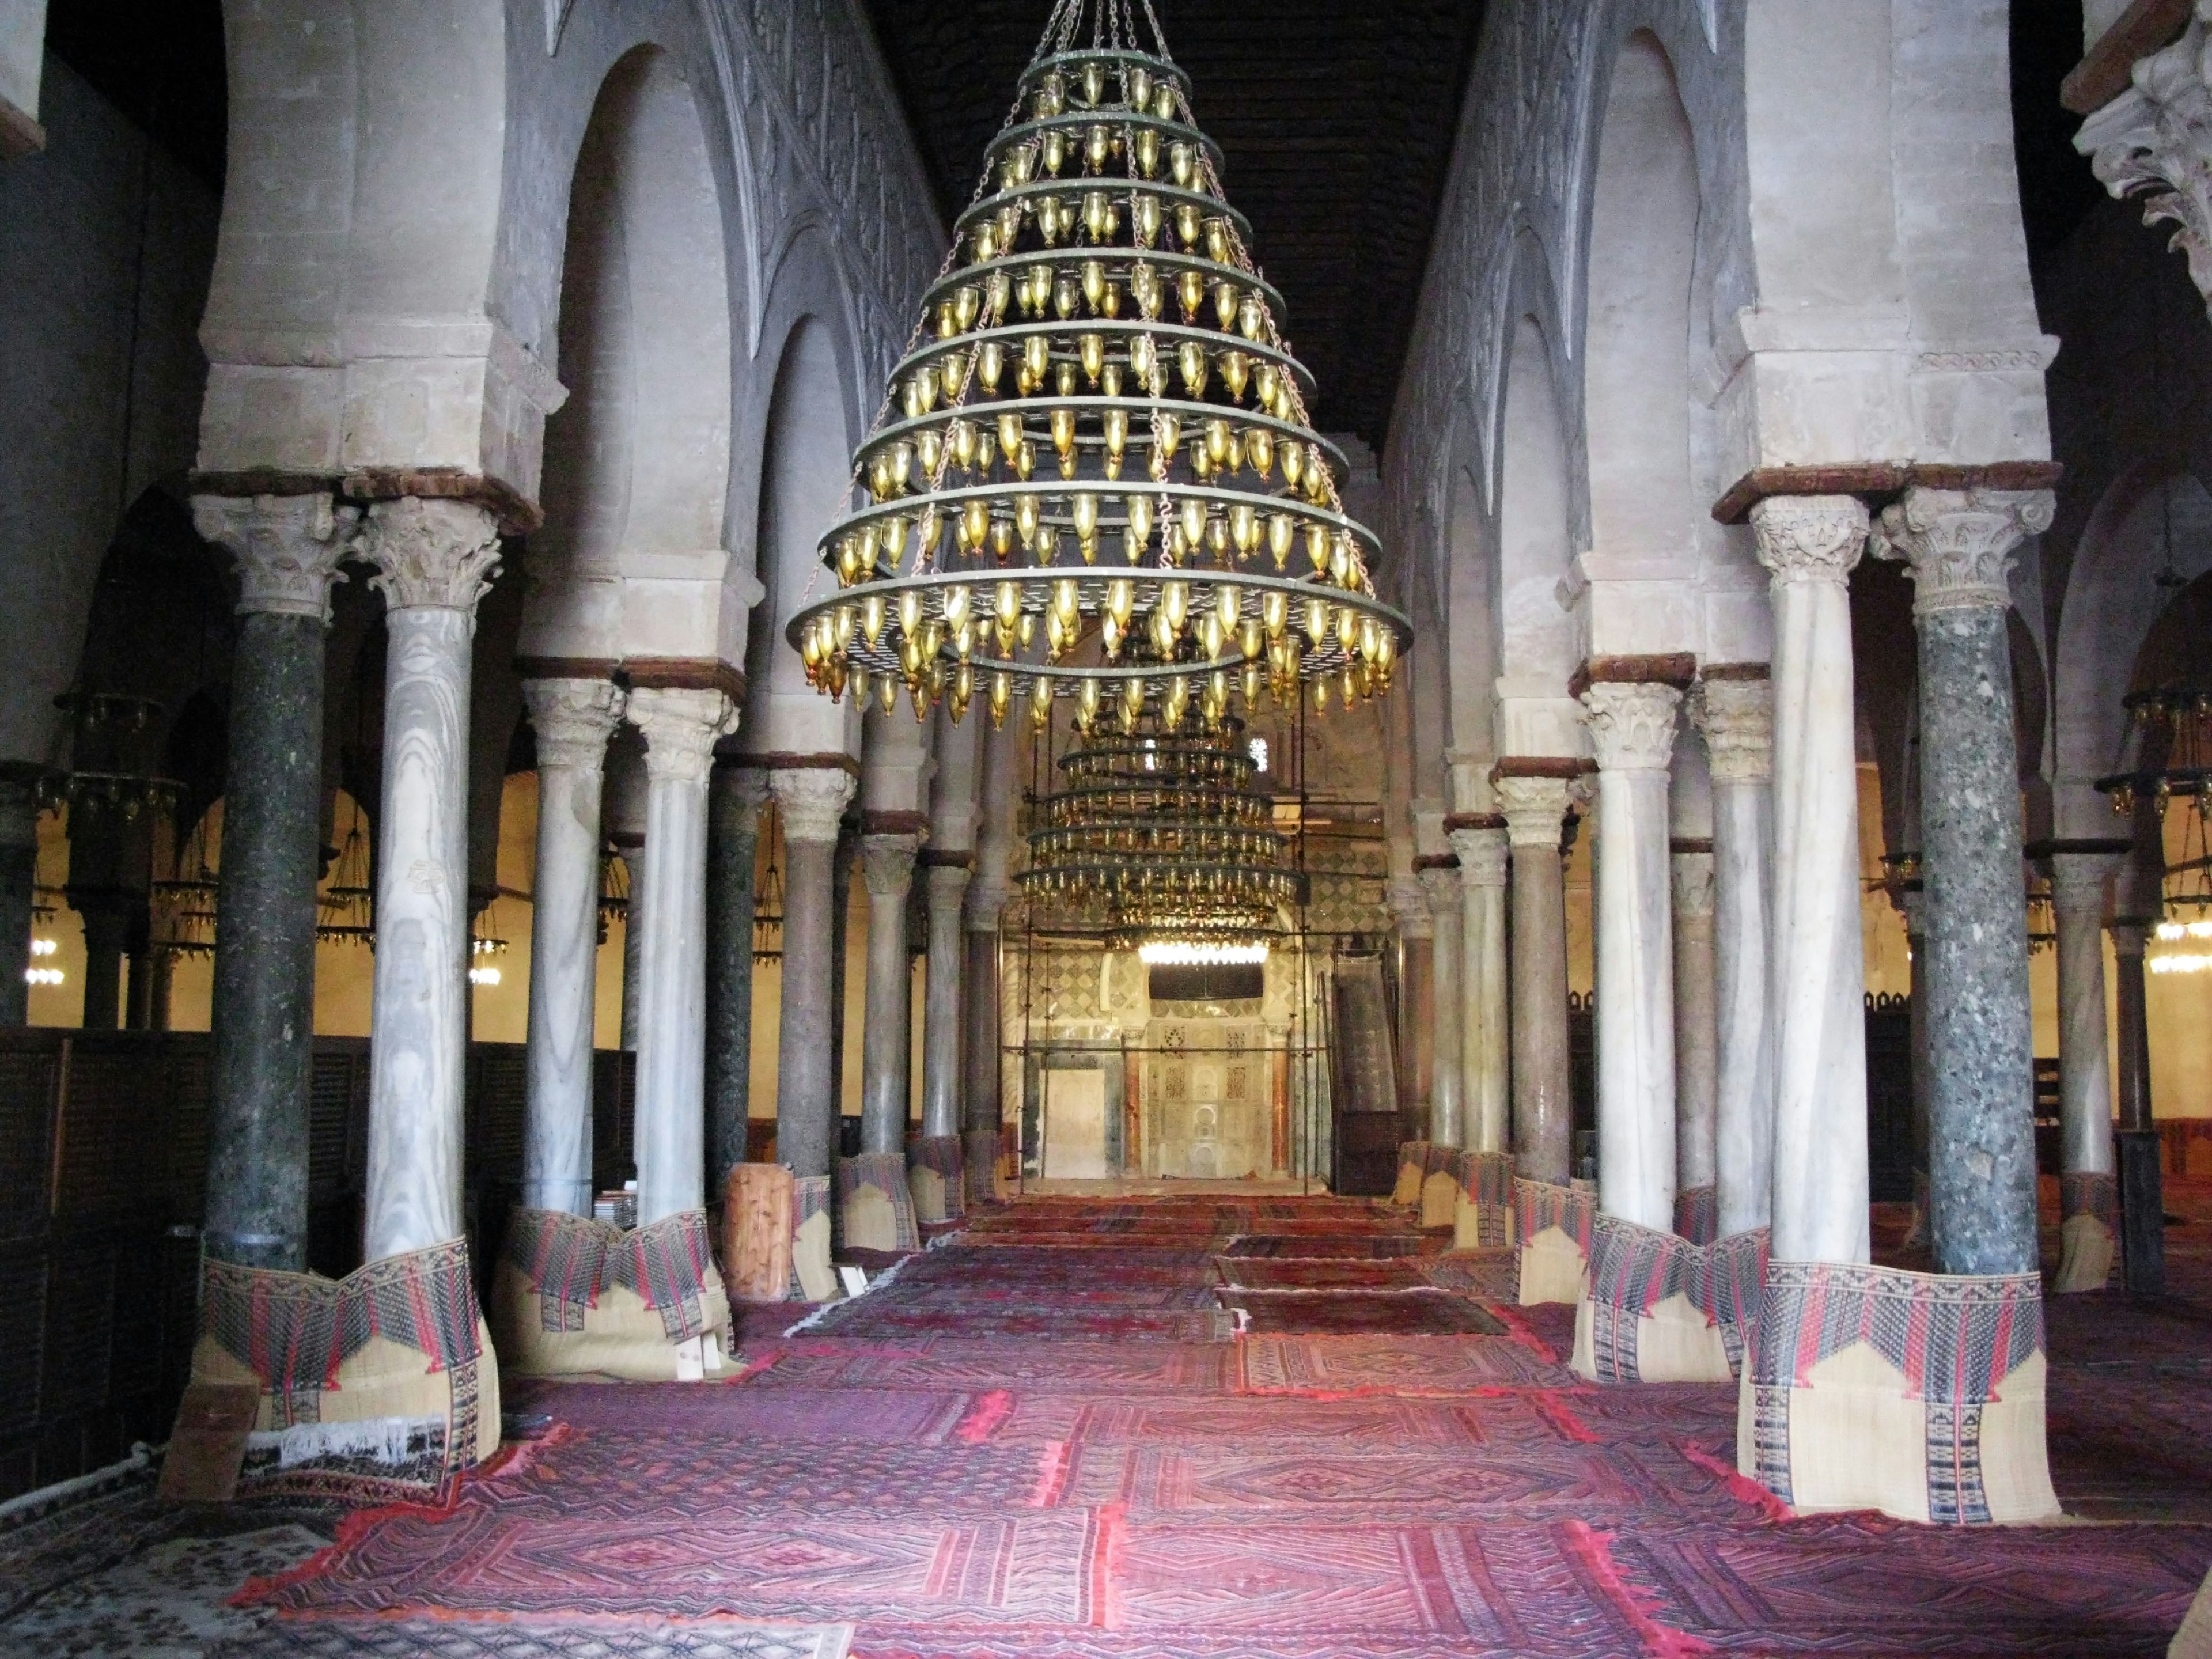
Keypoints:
pixel 811 803
pixel 735 797
pixel 1447 1081
pixel 435 557
pixel 573 719
pixel 2143 1183
pixel 885 1038
pixel 1818 990
pixel 2085 1100
pixel 1543 1112
pixel 18 879
pixel 1697 1056
pixel 980 1004
pixel 940 1012
pixel 1484 1025
pixel 1632 728
pixel 633 980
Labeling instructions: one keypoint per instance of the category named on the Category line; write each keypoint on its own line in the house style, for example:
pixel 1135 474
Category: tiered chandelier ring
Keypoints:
pixel 1094 477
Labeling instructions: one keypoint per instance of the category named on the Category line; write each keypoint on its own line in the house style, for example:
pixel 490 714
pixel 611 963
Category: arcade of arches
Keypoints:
pixel 538 1117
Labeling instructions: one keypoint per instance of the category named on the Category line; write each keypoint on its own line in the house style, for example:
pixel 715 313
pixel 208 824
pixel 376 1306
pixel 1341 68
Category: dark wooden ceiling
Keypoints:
pixel 1336 121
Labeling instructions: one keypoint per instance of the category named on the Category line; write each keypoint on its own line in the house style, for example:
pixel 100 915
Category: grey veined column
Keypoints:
pixel 1958 545
pixel 811 803
pixel 435 560
pixel 1817 988
pixel 887 863
pixel 1447 1086
pixel 1484 1025
pixel 1535 810
pixel 2088 1196
pixel 263 1021
pixel 1631 726
pixel 1734 712
pixel 573 720
pixel 681 725
pixel 940 1012
pixel 735 795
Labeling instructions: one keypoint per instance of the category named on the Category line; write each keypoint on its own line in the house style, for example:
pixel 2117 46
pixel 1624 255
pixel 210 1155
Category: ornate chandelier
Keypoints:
pixel 1157 836
pixel 1098 445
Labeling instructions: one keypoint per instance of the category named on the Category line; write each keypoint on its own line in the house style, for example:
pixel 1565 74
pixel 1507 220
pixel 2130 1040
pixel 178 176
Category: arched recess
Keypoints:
pixel 1471 628
pixel 631 558
pixel 2112 602
pixel 1535 639
pixel 1637 322
pixel 805 481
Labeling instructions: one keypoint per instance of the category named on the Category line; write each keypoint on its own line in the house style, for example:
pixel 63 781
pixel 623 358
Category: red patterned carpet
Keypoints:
pixel 1043 1440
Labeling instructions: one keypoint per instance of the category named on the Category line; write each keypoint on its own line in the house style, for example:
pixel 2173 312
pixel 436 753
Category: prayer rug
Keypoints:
pixel 1305 1246
pixel 733 1413
pixel 1327 1273
pixel 508 1638
pixel 1063 1367
pixel 860 1318
pixel 1395 1364
pixel 1487 1277
pixel 1424 1312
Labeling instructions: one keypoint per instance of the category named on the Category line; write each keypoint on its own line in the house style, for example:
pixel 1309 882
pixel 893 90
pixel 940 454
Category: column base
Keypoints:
pixel 1697 1214
pixel 381 1387
pixel 1659 1309
pixel 936 1178
pixel 980 1148
pixel 1552 1240
pixel 875 1206
pixel 2088 1231
pixel 572 1297
pixel 1919 1394
pixel 1482 1214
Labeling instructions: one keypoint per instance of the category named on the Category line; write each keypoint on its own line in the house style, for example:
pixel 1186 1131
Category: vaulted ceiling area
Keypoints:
pixel 1336 123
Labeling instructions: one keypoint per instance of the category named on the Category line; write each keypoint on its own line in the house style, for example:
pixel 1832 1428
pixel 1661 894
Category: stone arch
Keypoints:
pixel 637 476
pixel 2109 609
pixel 1468 602
pixel 1536 643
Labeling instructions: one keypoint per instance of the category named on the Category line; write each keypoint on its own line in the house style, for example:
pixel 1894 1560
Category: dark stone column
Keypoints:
pixel 2142 1185
pixel 734 799
pixel 1959 547
pixel 262 1016
pixel 809 803
pixel 1534 806
pixel 106 928
pixel 841 916
pixel 19 875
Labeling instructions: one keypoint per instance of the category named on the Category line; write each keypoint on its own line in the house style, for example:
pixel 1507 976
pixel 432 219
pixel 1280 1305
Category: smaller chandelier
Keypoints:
pixel 1188 953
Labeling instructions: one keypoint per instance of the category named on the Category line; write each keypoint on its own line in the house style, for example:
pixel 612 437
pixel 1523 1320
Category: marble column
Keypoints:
pixel 885 1036
pixel 633 980
pixel 1958 545
pixel 1447 1084
pixel 1409 906
pixel 107 927
pixel 2085 1100
pixel 1697 1040
pixel 18 879
pixel 681 725
pixel 812 804
pixel 1484 1027
pixel 435 560
pixel 981 1058
pixel 262 1022
pixel 735 795
pixel 1632 727
pixel 2142 1194
pixel 940 1012
pixel 1817 991
pixel 1534 809
pixel 573 720
pixel 1917 992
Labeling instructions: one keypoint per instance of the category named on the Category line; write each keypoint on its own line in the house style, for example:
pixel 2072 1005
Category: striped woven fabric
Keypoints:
pixel 2084 1192
pixel 1537 1206
pixel 1698 1213
pixel 570 1260
pixel 943 1154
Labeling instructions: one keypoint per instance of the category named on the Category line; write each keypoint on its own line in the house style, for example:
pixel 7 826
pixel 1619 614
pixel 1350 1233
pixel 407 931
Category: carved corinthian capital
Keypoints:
pixel 573 720
pixel 680 726
pixel 1534 809
pixel 2156 136
pixel 288 549
pixel 1691 876
pixel 887 864
pixel 1809 539
pixel 1410 905
pixel 431 555
pixel 1441 883
pixel 1632 725
pixel 811 802
pixel 1482 856
pixel 1957 544
pixel 1736 718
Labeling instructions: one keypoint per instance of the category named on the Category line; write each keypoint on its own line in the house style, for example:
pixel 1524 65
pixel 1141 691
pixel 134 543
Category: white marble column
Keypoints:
pixel 435 560
pixel 573 720
pixel 1808 545
pixel 812 804
pixel 1735 713
pixel 680 725
pixel 1535 810
pixel 1448 961
pixel 1484 1038
pixel 887 864
pixel 940 1010
pixel 1631 726
pixel 1697 1057
pixel 2085 1099
pixel 1409 906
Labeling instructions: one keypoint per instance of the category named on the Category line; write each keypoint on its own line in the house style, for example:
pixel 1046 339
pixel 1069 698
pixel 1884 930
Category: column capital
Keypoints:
pixel 431 555
pixel 2156 136
pixel 1441 883
pixel 744 790
pixel 1809 539
pixel 2077 881
pixel 1690 875
pixel 887 864
pixel 948 889
pixel 988 898
pixel 2129 934
pixel 573 720
pixel 811 801
pixel 1736 719
pixel 681 725
pixel 1534 809
pixel 1482 856
pixel 1957 544
pixel 287 548
pixel 1632 723
pixel 1410 906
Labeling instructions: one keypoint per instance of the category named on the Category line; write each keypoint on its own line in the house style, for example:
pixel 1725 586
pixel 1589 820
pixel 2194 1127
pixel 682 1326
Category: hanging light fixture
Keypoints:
pixel 1094 477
